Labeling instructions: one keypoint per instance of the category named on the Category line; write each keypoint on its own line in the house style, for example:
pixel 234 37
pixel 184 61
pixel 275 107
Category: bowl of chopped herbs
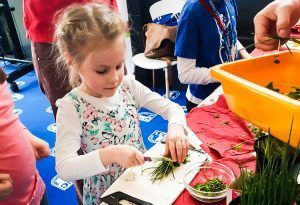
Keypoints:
pixel 208 181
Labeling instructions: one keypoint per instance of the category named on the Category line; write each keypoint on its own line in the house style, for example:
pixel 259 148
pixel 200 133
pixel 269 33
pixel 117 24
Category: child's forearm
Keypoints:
pixel 107 155
pixel 189 73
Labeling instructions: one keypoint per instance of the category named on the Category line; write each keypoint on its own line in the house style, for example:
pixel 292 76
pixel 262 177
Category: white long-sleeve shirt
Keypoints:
pixel 188 73
pixel 71 166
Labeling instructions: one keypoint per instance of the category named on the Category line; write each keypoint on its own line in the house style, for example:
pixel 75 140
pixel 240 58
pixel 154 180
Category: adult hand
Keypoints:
pixel 177 143
pixel 6 186
pixel 40 147
pixel 276 19
pixel 124 155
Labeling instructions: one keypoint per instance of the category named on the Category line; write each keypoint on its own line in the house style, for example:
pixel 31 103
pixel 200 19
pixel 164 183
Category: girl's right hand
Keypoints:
pixel 6 186
pixel 124 155
pixel 128 156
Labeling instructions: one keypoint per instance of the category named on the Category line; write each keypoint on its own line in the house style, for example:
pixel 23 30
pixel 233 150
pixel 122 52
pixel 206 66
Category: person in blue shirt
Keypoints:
pixel 206 36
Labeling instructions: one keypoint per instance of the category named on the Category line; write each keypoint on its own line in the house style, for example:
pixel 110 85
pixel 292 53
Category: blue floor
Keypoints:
pixel 35 112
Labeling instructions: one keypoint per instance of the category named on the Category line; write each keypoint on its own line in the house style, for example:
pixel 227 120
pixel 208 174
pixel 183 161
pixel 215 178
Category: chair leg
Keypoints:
pixel 167 82
pixel 170 76
pixel 153 80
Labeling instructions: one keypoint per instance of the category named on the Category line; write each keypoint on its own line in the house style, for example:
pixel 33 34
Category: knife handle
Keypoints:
pixel 147 159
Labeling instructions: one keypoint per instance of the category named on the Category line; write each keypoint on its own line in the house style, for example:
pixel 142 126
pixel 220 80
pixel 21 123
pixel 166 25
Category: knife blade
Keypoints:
pixel 190 147
pixel 156 159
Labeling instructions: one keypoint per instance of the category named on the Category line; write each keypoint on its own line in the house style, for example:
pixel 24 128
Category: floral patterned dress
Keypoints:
pixel 102 127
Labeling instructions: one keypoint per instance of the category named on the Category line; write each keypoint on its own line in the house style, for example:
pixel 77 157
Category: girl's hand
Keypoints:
pixel 6 186
pixel 177 143
pixel 124 155
pixel 40 147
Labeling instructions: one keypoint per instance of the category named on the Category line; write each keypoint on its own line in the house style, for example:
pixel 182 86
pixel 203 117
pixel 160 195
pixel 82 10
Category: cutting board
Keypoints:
pixel 162 192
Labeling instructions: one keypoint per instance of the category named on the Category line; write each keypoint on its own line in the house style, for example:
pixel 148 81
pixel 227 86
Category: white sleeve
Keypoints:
pixel 69 165
pixel 156 103
pixel 239 46
pixel 188 73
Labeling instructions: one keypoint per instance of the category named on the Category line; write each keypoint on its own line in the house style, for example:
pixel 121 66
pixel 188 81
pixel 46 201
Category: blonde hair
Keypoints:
pixel 79 30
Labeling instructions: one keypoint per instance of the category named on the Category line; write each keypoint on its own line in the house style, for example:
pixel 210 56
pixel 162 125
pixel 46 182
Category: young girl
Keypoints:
pixel 19 181
pixel 206 37
pixel 100 115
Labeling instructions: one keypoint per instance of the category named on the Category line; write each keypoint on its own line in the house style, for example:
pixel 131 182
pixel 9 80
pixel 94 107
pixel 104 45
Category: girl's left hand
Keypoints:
pixel 40 147
pixel 177 143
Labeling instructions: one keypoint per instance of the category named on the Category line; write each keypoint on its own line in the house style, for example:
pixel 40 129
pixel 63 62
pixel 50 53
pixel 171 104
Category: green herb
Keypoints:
pixel 164 168
pixel 269 186
pixel 216 116
pixel 271 87
pixel 238 147
pixel 257 131
pixel 213 185
pixel 275 182
pixel 227 122
pixel 294 94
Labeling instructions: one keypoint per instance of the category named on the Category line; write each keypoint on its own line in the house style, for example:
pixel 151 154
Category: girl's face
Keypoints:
pixel 102 71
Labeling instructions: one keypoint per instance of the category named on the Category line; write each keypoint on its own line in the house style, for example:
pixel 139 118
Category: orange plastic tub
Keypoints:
pixel 244 84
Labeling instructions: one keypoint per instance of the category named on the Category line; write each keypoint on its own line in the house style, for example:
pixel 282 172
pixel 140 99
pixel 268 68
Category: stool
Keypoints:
pixel 153 64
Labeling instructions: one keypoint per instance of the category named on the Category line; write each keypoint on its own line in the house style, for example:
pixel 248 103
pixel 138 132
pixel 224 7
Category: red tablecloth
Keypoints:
pixel 221 131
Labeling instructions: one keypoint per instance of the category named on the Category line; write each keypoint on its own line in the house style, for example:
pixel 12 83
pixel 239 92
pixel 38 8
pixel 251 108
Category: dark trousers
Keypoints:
pixel 189 105
pixel 53 81
pixel 44 200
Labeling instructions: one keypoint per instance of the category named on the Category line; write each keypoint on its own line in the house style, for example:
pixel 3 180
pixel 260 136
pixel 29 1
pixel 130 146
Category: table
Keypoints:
pixel 157 148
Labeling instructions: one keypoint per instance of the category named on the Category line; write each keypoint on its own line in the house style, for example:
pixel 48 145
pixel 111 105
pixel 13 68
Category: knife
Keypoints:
pixel 156 159
pixel 190 147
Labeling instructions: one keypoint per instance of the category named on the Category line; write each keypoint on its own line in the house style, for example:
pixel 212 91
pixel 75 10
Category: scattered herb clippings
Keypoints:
pixel 238 147
pixel 164 168
pixel 216 116
pixel 211 185
pixel 227 122
pixel 257 132
pixel 270 86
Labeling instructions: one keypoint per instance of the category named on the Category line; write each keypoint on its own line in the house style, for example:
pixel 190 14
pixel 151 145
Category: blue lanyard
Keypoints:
pixel 228 42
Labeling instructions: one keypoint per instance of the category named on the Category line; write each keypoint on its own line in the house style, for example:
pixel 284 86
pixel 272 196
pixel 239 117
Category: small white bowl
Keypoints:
pixel 200 172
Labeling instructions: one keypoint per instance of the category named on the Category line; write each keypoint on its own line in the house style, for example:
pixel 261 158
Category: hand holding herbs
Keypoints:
pixel 163 169
pixel 177 143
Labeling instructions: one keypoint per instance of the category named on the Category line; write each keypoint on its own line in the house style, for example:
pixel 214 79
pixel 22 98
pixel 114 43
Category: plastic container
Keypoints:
pixel 200 172
pixel 244 88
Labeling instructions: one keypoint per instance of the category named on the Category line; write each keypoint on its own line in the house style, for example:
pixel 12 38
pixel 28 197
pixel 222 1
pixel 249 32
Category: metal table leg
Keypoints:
pixel 167 82
pixel 153 80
